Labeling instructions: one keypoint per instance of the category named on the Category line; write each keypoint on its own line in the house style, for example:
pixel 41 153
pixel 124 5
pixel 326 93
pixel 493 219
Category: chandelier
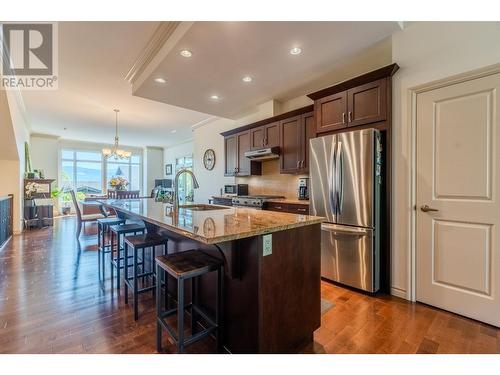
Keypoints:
pixel 115 152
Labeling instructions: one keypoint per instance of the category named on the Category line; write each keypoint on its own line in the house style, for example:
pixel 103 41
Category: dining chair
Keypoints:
pixel 82 219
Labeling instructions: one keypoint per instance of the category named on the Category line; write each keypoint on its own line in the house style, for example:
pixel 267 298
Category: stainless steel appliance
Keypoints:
pixel 345 172
pixel 303 188
pixel 263 154
pixel 236 189
pixel 254 201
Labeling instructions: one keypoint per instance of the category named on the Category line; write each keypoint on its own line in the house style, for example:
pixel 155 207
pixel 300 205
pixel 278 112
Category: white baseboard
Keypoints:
pixel 401 293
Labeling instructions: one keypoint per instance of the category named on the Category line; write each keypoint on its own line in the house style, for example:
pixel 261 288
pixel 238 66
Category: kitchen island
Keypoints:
pixel 272 268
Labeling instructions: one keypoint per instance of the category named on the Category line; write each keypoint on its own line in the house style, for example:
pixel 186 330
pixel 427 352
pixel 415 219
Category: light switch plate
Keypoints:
pixel 267 244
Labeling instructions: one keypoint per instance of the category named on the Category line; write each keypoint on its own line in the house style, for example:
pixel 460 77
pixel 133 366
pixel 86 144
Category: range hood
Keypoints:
pixel 263 154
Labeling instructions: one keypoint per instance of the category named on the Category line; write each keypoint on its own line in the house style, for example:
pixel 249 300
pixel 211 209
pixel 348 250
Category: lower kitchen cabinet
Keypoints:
pixel 222 201
pixel 288 207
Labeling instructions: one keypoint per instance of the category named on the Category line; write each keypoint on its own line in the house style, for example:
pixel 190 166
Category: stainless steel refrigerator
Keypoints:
pixel 345 178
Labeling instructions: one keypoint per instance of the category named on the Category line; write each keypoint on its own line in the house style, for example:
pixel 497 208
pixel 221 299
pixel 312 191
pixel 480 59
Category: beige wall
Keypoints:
pixel 208 136
pixel 179 151
pixel 44 151
pixel 14 132
pixel 426 52
pixel 153 167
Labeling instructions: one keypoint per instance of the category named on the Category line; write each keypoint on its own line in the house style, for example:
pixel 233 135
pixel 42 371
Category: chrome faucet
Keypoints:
pixel 176 185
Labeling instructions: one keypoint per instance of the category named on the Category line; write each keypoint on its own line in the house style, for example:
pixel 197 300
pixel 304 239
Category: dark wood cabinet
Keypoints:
pixel 222 201
pixel 295 133
pixel 272 134
pixel 265 136
pixel 291 145
pixel 291 208
pixel 309 124
pixel 367 103
pixel 243 142
pixel 236 163
pixel 231 155
pixel 257 138
pixel 364 104
pixel 331 112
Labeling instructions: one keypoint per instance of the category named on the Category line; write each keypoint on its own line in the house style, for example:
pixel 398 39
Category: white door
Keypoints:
pixel 458 254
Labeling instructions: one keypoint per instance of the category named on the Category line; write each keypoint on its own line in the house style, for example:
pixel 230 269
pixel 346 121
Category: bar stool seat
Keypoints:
pixel 146 240
pixel 188 265
pixel 103 248
pixel 119 231
pixel 136 244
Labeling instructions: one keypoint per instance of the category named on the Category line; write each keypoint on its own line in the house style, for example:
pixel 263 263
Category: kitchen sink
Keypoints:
pixel 203 207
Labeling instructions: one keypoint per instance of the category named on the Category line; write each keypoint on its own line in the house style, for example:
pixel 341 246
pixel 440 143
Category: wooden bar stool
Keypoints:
pixel 118 232
pixel 135 244
pixel 188 265
pixel 103 248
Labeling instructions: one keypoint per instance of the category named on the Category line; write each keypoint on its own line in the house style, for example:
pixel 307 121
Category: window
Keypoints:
pixel 186 190
pixel 129 169
pixel 87 171
pixel 82 170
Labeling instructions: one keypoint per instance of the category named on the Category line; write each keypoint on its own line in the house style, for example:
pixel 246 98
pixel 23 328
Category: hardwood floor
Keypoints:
pixel 51 301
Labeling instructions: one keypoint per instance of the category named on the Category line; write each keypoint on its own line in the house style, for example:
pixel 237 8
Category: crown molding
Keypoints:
pixel 48 136
pixel 204 122
pixel 163 40
pixel 164 30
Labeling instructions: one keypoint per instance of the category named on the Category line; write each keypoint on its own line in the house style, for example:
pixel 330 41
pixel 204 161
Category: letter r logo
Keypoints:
pixel 29 49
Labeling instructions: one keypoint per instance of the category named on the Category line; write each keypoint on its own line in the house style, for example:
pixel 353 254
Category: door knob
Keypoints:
pixel 426 208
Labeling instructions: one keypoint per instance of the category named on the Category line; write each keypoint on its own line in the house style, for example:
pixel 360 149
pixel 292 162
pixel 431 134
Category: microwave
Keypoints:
pixel 236 189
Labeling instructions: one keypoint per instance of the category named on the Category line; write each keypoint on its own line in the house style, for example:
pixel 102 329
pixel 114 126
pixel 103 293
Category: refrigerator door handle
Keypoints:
pixel 339 176
pixel 341 229
pixel 332 194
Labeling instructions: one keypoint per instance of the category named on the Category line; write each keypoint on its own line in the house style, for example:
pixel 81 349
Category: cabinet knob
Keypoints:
pixel 350 116
pixel 343 117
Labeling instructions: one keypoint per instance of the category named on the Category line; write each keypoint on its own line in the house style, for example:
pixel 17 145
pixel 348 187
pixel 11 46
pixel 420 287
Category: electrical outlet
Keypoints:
pixel 267 244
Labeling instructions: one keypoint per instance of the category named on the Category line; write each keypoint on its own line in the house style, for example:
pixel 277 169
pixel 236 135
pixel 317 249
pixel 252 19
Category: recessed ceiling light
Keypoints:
pixel 214 97
pixel 160 80
pixel 173 131
pixel 247 79
pixel 295 51
pixel 186 53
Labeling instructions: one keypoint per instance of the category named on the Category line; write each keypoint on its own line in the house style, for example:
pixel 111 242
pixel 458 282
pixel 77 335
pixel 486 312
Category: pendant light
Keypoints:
pixel 116 152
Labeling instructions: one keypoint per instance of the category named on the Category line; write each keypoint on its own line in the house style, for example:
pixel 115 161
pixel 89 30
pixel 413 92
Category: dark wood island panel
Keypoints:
pixel 272 303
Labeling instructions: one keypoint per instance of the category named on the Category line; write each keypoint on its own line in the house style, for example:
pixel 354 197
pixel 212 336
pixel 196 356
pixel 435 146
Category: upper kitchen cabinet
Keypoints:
pixel 331 112
pixel 291 145
pixel 359 101
pixel 289 131
pixel 265 136
pixel 272 134
pixel 367 103
pixel 236 163
pixel 230 155
pixel 295 133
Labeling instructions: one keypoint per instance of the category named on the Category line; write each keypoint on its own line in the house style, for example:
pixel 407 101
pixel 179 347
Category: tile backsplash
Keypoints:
pixel 271 182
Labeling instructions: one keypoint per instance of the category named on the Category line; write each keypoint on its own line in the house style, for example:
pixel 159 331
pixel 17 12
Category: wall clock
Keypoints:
pixel 209 159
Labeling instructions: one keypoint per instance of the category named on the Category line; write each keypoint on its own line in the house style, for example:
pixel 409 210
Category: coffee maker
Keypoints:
pixel 303 188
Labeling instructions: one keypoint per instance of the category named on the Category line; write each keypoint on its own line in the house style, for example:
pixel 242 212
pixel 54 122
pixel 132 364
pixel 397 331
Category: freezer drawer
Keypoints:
pixel 348 256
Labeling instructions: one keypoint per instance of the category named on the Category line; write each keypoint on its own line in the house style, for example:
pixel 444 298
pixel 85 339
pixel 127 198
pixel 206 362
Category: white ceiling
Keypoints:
pixel 94 58
pixel 224 52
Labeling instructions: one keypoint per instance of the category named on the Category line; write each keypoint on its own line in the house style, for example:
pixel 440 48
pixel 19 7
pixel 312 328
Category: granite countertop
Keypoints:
pixel 211 226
